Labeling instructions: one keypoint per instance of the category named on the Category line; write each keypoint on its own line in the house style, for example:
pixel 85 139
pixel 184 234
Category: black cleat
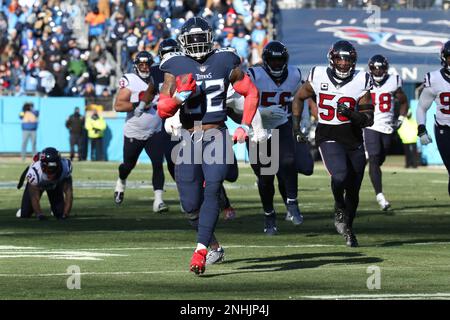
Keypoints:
pixel 350 238
pixel 118 197
pixel 339 222
pixel 270 226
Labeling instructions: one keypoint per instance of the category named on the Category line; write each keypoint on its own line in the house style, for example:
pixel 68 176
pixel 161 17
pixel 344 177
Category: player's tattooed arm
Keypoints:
pixel 68 196
pixel 306 91
pixel 402 99
pixel 169 86
pixel 35 196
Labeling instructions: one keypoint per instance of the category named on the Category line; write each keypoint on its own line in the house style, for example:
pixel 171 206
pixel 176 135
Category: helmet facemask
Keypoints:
pixel 342 64
pixel 196 43
pixel 445 59
pixel 378 71
pixel 276 66
pixel 143 69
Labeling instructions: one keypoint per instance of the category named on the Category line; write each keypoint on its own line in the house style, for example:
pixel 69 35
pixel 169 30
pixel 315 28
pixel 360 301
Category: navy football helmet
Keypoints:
pixel 50 161
pixel 445 53
pixel 166 46
pixel 342 58
pixel 378 67
pixel 275 58
pixel 142 63
pixel 196 38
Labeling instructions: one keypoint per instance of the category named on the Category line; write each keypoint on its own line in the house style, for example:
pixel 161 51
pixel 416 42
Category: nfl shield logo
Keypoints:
pixel 203 68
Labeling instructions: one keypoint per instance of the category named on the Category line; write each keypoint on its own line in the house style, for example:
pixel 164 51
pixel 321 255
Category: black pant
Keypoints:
pixel 154 147
pixel 97 153
pixel 55 196
pixel 346 167
pixel 75 140
pixel 442 134
pixel 410 155
pixel 287 171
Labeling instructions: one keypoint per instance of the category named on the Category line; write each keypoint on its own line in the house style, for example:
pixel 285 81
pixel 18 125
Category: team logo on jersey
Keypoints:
pixel 203 76
pixel 324 86
pixel 203 68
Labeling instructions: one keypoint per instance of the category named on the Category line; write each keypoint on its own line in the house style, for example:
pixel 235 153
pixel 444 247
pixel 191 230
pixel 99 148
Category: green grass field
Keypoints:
pixel 128 252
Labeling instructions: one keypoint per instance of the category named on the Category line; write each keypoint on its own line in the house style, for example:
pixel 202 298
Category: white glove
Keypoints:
pixel 141 108
pixel 273 112
pixel 258 134
pixel 173 125
pixel 425 139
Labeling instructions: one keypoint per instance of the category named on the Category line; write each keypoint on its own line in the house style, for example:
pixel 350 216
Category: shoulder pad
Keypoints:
pixel 427 80
pixel 226 49
pixel 169 56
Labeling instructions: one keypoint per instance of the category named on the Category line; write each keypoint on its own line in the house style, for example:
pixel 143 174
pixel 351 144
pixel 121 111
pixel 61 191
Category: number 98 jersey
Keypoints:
pixel 439 83
pixel 212 77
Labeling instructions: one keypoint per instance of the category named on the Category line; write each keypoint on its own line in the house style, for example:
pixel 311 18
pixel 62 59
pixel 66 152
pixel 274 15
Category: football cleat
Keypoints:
pixel 288 216
pixel 229 213
pixel 294 212
pixel 160 207
pixel 41 217
pixel 339 222
pixel 19 213
pixel 350 238
pixel 118 197
pixel 198 261
pixel 215 256
pixel 270 227
pixel 384 204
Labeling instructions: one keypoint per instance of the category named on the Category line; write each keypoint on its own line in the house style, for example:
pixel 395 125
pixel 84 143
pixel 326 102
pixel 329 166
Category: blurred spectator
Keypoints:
pixel 240 43
pixel 96 21
pixel 77 67
pixel 96 126
pixel 131 47
pixel 29 118
pixel 258 38
pixel 103 72
pixel 75 124
pixel 60 75
pixel 408 134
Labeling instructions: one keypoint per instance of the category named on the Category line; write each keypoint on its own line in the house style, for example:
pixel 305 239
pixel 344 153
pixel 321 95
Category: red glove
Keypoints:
pixel 240 134
pixel 186 82
pixel 167 106
pixel 141 95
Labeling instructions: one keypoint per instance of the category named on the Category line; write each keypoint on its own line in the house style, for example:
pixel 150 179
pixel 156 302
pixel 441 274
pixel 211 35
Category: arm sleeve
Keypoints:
pixel 425 100
pixel 248 89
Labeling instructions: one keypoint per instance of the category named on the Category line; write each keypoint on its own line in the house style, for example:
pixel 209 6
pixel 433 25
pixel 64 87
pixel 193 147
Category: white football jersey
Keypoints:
pixel 439 84
pixel 36 177
pixel 329 93
pixel 270 94
pixel 149 122
pixel 383 100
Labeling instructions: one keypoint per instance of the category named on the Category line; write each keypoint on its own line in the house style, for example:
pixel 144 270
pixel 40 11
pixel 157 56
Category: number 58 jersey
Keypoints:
pixel 208 104
pixel 329 93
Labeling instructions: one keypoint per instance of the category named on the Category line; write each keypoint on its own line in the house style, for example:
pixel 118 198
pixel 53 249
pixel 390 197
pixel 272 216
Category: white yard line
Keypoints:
pixel 381 296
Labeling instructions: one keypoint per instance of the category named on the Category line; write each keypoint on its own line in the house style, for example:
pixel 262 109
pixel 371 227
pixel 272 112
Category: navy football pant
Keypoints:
pixel 287 172
pixel 346 168
pixel 442 134
pixel 154 147
pixel 190 177
pixel 55 197
pixel 377 145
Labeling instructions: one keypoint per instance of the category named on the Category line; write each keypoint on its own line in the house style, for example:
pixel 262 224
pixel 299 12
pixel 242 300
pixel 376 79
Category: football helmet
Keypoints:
pixel 166 46
pixel 275 58
pixel 445 53
pixel 50 161
pixel 342 58
pixel 378 67
pixel 142 63
pixel 196 38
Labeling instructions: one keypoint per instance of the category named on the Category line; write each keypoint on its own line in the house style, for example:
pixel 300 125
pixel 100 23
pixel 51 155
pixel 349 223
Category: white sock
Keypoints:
pixel 158 196
pixel 120 185
pixel 380 196
pixel 200 247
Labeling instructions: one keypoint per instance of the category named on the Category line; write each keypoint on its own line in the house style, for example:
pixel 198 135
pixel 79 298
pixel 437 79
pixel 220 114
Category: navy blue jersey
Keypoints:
pixel 212 76
pixel 157 77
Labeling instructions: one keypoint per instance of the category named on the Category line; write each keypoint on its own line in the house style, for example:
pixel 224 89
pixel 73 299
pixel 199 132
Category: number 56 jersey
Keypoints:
pixel 329 93
pixel 208 104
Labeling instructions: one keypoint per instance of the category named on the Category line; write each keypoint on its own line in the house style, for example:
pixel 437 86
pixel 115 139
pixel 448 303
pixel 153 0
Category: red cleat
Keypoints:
pixel 229 213
pixel 198 261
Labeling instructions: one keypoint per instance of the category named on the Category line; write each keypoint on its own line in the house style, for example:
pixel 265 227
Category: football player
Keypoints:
pixel 277 82
pixel 142 129
pixel 437 89
pixel 53 174
pixel 197 80
pixel 344 107
pixel 377 139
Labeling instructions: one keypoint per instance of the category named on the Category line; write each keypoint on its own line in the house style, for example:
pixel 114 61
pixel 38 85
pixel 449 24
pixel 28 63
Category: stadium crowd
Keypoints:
pixel 80 48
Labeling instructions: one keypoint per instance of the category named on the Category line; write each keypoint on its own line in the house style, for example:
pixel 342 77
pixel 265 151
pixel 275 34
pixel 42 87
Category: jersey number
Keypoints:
pixel 214 96
pixel 384 101
pixel 331 111
pixel 444 97
pixel 266 99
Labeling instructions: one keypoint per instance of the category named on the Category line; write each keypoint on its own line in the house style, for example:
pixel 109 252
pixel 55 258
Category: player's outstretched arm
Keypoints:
pixel 306 91
pixel 35 196
pixel 68 197
pixel 244 86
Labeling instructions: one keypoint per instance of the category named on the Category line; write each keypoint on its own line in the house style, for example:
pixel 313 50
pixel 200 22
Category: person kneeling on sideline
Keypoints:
pixel 49 172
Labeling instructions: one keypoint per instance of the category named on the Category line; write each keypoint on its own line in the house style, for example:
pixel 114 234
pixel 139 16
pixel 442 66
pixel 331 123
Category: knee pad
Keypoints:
pixel 192 218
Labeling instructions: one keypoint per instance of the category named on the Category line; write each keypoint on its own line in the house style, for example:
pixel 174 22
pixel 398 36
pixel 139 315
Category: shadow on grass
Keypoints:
pixel 298 261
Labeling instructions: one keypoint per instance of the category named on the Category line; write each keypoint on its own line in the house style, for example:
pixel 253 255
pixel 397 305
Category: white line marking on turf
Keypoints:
pixel 380 296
